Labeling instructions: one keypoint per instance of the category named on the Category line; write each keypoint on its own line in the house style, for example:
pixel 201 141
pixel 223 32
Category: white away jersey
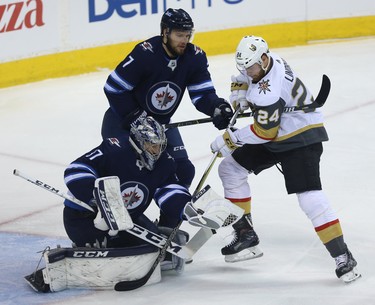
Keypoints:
pixel 280 131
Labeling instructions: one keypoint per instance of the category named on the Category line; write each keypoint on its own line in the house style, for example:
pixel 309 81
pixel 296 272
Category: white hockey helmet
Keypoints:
pixel 250 50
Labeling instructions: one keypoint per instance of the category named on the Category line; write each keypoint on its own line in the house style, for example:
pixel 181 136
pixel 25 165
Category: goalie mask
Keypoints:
pixel 249 52
pixel 148 138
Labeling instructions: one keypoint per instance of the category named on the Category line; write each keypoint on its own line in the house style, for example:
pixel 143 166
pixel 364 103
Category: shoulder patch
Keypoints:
pixel 146 46
pixel 114 141
pixel 197 50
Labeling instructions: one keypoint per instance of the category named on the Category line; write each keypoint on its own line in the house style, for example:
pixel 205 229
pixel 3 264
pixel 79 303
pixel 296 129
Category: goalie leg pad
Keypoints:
pixel 98 268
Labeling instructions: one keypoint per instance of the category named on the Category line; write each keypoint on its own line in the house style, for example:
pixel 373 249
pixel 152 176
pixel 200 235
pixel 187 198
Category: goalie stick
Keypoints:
pixel 184 252
pixel 317 103
pixel 131 285
pixel 52 189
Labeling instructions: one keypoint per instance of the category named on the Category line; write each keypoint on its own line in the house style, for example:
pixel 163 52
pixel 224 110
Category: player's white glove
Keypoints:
pixel 225 144
pixel 238 93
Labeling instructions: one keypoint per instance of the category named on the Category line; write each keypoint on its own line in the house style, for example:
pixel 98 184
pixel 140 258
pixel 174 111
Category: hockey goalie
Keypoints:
pixel 113 241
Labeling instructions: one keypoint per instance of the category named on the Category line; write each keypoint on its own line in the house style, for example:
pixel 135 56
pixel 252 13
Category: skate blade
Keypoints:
pixel 36 282
pixel 31 282
pixel 246 254
pixel 351 276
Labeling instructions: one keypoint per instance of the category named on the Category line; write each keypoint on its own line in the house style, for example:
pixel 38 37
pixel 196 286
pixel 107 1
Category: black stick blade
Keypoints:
pixel 324 91
pixel 131 285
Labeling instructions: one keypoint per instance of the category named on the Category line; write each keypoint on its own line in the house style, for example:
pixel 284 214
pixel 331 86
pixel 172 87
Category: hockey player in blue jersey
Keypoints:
pixel 114 184
pixel 145 170
pixel 152 79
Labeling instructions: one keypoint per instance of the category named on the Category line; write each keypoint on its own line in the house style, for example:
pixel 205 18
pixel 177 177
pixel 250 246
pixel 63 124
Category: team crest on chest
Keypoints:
pixel 134 194
pixel 163 97
pixel 264 86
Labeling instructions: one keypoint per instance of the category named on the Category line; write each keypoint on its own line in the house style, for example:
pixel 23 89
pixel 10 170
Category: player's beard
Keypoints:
pixel 175 51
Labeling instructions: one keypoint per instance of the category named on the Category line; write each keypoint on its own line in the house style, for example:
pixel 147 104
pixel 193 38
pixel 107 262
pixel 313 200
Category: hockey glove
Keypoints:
pixel 226 143
pixel 132 118
pixel 222 114
pixel 100 224
pixel 238 94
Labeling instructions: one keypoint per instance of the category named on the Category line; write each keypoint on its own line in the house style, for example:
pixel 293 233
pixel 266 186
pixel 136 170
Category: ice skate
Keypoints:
pixel 36 281
pixel 244 245
pixel 346 269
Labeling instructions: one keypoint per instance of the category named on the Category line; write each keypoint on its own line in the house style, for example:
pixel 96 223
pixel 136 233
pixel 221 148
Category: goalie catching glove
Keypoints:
pixel 225 144
pixel 238 93
pixel 211 211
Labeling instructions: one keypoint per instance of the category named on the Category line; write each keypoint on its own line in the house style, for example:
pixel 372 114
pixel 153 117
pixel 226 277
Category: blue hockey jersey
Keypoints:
pixel 147 79
pixel 116 157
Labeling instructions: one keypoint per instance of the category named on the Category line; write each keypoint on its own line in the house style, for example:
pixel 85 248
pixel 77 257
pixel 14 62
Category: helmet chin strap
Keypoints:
pixel 136 148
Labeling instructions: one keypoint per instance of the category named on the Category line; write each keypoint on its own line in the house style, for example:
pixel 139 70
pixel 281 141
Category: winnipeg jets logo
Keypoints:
pixel 134 194
pixel 131 197
pixel 163 97
pixel 264 86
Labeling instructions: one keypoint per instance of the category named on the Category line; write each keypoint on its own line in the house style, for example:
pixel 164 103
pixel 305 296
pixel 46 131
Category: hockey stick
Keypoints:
pixel 214 157
pixel 131 285
pixel 318 102
pixel 157 240
pixel 52 189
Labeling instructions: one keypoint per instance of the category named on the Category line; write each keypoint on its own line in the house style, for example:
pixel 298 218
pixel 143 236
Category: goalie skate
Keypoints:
pixel 36 281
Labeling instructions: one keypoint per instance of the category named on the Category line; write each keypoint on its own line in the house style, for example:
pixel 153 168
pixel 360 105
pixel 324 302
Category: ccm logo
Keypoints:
pixel 90 254
pixel 14 16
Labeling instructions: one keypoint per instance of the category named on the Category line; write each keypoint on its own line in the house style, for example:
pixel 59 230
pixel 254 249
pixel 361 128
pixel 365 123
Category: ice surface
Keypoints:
pixel 46 125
